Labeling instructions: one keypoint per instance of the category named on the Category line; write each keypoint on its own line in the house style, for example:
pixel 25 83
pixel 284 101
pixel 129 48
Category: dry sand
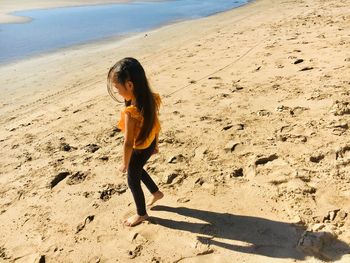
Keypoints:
pixel 254 151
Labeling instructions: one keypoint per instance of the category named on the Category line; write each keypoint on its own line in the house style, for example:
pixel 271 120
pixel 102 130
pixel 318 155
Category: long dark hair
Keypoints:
pixel 129 69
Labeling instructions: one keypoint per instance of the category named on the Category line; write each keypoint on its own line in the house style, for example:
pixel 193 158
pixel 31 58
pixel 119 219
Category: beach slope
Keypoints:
pixel 254 150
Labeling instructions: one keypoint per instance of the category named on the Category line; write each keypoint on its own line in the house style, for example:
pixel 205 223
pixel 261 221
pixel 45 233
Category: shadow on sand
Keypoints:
pixel 265 237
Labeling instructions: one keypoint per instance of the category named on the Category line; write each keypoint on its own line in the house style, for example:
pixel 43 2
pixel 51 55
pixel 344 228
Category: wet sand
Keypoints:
pixel 254 150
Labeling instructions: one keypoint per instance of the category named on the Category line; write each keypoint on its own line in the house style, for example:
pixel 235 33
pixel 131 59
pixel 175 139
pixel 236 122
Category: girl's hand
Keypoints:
pixel 123 168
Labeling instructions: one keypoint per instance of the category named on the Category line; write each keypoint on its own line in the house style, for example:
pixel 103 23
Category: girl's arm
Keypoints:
pixel 128 141
pixel 156 149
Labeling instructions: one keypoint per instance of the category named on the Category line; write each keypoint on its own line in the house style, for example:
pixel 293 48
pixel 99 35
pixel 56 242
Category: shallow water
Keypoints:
pixel 51 29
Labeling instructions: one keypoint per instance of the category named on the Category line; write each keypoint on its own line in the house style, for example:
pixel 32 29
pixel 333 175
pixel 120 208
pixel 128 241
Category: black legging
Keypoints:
pixel 136 173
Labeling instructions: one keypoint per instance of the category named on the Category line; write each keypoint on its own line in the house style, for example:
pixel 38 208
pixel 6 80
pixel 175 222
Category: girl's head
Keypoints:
pixel 128 77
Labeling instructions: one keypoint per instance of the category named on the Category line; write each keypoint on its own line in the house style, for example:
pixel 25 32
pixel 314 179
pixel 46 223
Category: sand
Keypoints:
pixel 254 150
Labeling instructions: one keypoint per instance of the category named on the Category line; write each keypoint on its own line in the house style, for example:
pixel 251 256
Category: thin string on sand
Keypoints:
pixel 216 71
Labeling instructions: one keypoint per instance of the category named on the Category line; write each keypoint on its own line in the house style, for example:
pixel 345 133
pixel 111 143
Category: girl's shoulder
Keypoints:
pixel 133 111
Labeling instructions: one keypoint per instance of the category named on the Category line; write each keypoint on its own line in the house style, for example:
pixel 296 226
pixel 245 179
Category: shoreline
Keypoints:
pixel 111 38
pixel 255 120
pixel 103 44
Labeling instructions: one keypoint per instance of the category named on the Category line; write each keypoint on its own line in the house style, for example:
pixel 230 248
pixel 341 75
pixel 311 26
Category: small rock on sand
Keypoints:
pixel 300 60
pixel 306 68
pixel 65 147
pixel 265 159
pixel 316 157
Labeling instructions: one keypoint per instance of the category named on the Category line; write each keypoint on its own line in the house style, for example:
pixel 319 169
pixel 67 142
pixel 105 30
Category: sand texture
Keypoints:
pixel 254 153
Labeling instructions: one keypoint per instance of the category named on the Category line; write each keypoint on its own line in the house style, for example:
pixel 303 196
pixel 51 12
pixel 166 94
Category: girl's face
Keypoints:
pixel 125 90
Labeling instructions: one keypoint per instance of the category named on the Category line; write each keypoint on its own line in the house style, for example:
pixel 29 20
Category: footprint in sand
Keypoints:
pixel 343 153
pixel 91 147
pixel 76 178
pixel 290 133
pixel 111 189
pixel 29 138
pixel 3 254
pixel 135 252
pixel 58 178
pixel 340 108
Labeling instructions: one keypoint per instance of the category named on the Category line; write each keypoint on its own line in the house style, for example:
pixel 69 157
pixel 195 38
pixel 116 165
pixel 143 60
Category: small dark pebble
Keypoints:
pixel 104 158
pixel 298 61
pixel 264 160
pixel 227 127
pixel 65 147
pixel 306 68
pixel 316 159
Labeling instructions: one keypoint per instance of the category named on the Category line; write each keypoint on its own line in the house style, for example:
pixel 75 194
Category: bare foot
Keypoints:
pixel 155 197
pixel 135 220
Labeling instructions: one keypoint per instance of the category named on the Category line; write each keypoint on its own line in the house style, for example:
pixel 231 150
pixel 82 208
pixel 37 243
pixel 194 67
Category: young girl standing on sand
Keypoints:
pixel 140 124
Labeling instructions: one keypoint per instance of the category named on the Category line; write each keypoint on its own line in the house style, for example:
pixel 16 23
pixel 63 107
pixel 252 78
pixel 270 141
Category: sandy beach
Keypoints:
pixel 254 153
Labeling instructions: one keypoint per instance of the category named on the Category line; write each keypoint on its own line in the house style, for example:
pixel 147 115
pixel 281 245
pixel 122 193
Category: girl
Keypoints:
pixel 140 124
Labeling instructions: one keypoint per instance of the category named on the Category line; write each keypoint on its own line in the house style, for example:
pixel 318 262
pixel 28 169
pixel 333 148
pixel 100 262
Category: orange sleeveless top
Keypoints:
pixel 136 114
